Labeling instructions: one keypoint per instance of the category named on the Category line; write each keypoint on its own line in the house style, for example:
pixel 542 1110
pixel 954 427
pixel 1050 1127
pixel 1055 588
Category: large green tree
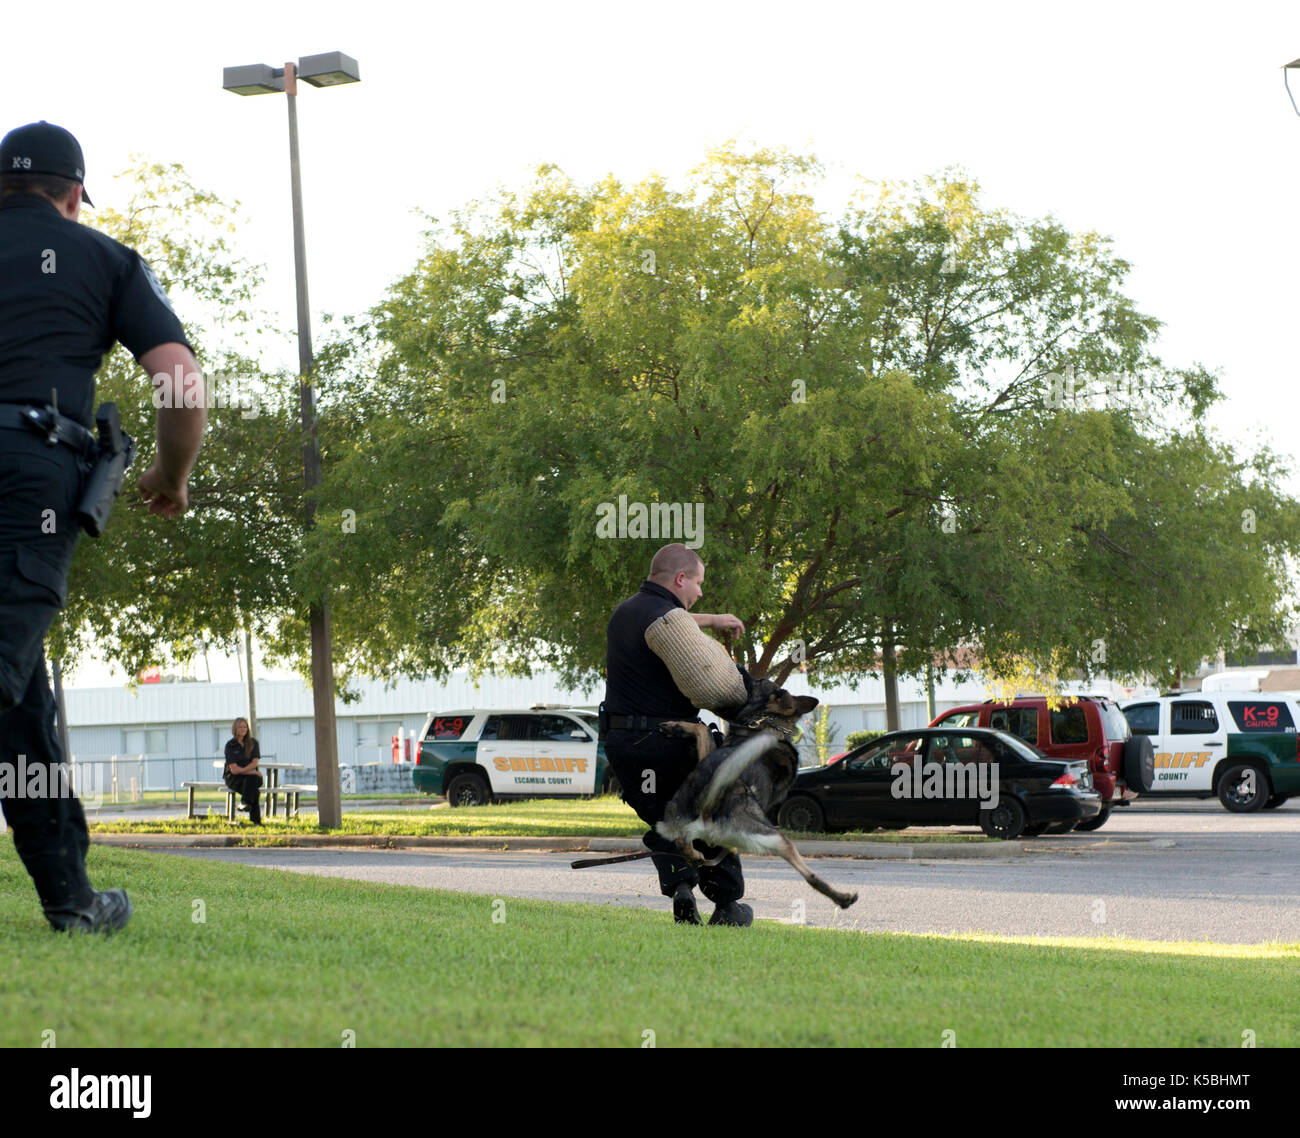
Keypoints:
pixel 150 589
pixel 867 415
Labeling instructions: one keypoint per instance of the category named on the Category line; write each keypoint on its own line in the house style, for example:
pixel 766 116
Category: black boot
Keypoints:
pixel 106 912
pixel 685 911
pixel 733 913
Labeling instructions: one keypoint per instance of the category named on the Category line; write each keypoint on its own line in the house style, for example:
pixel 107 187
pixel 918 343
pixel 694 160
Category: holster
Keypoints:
pixel 113 454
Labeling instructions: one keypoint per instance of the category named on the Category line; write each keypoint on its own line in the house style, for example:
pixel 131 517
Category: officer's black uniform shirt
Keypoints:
pixel 67 292
pixel 637 681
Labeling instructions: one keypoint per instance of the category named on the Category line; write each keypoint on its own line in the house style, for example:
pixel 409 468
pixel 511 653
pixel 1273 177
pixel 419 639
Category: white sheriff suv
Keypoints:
pixel 1240 746
pixel 479 756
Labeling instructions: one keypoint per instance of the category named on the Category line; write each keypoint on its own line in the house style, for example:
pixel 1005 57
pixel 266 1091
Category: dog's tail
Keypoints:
pixel 731 768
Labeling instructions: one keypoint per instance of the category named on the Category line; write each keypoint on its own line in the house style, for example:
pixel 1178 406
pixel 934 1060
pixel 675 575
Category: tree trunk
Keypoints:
pixel 890 669
pixel 252 691
pixel 329 802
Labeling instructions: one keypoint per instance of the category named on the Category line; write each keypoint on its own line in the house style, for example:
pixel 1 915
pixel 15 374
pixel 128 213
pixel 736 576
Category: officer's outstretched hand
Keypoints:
pixel 730 626
pixel 164 498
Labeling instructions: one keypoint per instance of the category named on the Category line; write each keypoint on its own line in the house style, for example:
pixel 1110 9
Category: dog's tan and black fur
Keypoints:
pixel 727 798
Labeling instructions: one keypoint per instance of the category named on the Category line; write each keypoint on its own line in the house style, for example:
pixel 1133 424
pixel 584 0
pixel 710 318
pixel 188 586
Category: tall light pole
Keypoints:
pixel 328 70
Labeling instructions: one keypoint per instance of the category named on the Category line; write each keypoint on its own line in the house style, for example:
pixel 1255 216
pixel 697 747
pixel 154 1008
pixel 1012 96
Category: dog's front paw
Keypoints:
pixel 676 729
pixel 689 852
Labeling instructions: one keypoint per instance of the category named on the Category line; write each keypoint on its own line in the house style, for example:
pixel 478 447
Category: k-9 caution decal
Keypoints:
pixel 1263 716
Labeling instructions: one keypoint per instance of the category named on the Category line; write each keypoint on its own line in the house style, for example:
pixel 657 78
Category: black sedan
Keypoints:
pixel 945 777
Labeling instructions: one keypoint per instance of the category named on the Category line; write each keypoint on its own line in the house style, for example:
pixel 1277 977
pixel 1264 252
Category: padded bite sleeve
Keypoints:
pixel 699 665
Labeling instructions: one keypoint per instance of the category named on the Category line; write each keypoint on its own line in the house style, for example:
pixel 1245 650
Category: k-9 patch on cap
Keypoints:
pixel 43 148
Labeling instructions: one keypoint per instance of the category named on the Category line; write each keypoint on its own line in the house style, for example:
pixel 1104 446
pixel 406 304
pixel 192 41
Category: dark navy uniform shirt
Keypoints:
pixel 67 292
pixel 637 681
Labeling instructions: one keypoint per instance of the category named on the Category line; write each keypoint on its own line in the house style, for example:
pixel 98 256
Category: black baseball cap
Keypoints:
pixel 43 148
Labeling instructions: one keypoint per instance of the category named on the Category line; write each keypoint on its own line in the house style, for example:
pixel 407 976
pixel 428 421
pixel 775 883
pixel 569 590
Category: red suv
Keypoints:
pixel 1082 727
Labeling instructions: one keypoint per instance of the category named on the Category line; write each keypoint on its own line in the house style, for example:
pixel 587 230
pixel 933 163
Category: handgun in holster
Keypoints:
pixel 114 453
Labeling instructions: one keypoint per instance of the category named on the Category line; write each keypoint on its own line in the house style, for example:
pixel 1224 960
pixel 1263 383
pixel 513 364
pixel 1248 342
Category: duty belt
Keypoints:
pixel 638 722
pixel 50 425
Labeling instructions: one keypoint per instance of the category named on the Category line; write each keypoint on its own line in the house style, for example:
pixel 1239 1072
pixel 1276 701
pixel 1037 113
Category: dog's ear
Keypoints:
pixel 804 704
pixel 779 702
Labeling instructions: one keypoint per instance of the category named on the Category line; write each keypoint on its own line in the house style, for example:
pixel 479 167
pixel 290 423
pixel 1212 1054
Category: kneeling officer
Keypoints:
pixel 661 666
pixel 67 293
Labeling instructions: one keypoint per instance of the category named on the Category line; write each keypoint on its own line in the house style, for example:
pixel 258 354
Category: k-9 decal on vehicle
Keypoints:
pixel 1261 716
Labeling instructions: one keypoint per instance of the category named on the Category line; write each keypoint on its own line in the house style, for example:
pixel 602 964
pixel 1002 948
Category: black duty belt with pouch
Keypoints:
pixel 631 722
pixel 109 453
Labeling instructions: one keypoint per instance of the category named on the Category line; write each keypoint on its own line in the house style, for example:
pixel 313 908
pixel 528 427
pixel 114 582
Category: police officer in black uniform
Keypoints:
pixel 661 666
pixel 67 293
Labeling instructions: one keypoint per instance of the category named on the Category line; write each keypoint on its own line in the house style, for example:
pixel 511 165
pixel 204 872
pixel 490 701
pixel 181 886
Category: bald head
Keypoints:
pixel 674 559
pixel 680 571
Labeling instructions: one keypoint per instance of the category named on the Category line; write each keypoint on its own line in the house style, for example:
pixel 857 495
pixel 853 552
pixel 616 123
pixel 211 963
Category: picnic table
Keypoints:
pixel 272 788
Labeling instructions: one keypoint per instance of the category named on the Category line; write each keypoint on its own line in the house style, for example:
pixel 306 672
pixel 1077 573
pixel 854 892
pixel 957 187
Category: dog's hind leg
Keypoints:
pixel 784 847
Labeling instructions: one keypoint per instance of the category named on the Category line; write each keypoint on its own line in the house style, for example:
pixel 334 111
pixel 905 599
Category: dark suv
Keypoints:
pixel 1082 727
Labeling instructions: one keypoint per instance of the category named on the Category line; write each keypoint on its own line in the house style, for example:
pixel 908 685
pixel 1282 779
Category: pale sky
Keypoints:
pixel 1165 126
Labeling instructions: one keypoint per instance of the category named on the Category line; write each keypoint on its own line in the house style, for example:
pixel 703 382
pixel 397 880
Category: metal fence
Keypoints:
pixel 127 778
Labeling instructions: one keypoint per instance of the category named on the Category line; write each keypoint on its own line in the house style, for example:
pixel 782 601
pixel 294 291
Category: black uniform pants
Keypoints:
pixel 249 789
pixel 636 755
pixel 38 492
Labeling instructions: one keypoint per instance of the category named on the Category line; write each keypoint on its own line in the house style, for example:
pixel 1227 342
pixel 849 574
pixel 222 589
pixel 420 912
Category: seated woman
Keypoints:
pixel 240 774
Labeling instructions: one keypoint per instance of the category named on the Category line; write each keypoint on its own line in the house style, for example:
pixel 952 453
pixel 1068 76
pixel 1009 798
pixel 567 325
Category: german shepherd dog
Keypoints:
pixel 727 798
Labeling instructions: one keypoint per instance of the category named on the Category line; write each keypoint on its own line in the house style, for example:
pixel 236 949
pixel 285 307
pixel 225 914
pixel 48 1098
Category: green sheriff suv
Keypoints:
pixel 478 757
pixel 1241 747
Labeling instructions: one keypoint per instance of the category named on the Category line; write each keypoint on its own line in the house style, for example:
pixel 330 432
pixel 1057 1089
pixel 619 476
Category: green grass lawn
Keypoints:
pixel 282 959
pixel 607 817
